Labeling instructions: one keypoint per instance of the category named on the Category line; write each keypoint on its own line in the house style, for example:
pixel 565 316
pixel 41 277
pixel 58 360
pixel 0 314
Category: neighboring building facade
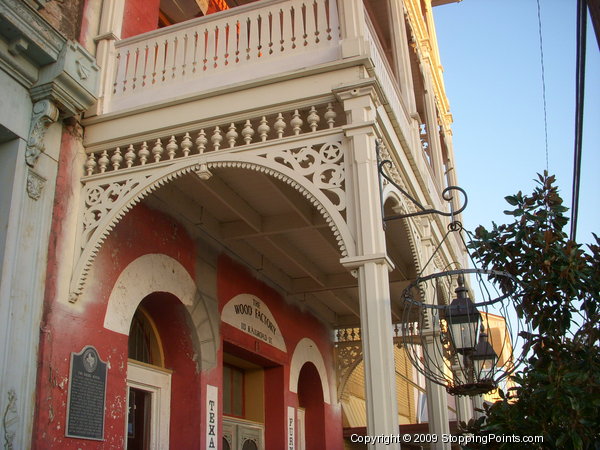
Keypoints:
pixel 192 220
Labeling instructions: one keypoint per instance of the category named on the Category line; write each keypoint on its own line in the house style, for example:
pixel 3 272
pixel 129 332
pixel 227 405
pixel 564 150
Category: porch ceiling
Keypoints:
pixel 272 229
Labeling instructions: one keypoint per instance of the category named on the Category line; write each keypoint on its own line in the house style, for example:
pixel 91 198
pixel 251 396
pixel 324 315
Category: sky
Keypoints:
pixel 490 52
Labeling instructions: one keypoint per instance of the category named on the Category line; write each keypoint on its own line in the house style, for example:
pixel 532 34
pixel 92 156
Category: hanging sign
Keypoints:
pixel 249 314
pixel 212 395
pixel 87 395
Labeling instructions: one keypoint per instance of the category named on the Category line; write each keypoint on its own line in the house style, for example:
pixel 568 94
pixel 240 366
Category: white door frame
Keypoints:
pixel 301 425
pixel 157 382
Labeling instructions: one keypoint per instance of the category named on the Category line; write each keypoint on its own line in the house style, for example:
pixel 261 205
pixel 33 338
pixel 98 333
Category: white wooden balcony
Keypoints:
pixel 247 43
pixel 232 51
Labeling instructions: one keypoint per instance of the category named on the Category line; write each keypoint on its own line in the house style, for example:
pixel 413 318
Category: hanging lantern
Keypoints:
pixel 484 358
pixel 463 320
pixel 464 345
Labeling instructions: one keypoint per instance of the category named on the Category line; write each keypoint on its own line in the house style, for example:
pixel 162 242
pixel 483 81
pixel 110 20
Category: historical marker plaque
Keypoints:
pixel 87 393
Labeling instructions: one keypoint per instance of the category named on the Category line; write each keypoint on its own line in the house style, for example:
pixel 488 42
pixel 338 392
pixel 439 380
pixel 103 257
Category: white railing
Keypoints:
pixel 265 37
pixel 390 88
pixel 386 78
pixel 387 81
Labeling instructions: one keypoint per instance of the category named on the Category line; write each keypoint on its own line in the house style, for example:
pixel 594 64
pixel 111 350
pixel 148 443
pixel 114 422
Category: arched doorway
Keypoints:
pixel 162 375
pixel 311 411
pixel 148 385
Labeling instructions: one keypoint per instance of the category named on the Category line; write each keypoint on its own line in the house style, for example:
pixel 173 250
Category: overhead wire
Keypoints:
pixel 579 102
pixel 539 11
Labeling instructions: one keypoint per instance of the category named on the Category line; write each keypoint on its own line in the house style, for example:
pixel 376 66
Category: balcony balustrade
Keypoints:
pixel 245 46
pixel 245 43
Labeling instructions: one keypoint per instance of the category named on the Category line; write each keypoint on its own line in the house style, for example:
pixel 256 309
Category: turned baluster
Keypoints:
pixel 172 147
pixel 90 164
pixel 103 162
pixel 247 132
pixel 116 159
pixel 201 141
pixel 313 119
pixel 232 135
pixel 144 153
pixel 157 150
pixel 129 156
pixel 216 138
pixel 330 115
pixel 279 125
pixel 296 123
pixel 263 129
pixel 186 144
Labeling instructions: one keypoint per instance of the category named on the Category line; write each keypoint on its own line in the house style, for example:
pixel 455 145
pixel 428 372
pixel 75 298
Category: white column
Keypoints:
pixel 109 32
pixel 477 404
pixel 437 401
pixel 353 26
pixel 401 51
pixel 372 266
pixel 433 130
pixel 464 408
pixel 28 209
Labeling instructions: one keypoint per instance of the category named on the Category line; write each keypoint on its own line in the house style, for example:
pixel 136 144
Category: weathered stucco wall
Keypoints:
pixel 233 279
pixel 67 328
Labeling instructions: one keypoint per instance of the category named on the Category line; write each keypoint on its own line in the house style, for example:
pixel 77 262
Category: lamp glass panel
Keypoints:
pixel 464 334
pixel 483 367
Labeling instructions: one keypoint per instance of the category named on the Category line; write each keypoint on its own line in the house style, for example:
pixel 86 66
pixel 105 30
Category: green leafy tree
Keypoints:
pixel 557 286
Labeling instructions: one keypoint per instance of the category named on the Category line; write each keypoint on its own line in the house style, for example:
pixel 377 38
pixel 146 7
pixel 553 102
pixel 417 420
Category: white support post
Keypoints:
pixel 477 405
pixel 111 22
pixel 437 400
pixel 433 131
pixel 464 409
pixel 401 51
pixel 372 266
pixel 28 207
pixel 353 24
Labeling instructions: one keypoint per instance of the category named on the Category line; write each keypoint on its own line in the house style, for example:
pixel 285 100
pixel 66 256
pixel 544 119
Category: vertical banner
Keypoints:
pixel 212 408
pixel 291 428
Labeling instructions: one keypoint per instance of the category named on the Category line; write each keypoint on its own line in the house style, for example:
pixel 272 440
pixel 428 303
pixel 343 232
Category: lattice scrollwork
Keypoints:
pixel 348 354
pixel 322 165
pixel 100 199
pixel 316 170
pixel 10 419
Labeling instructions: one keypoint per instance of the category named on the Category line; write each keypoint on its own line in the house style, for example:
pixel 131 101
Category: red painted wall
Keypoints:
pixel 233 279
pixel 171 319
pixel 68 328
pixel 310 397
pixel 140 16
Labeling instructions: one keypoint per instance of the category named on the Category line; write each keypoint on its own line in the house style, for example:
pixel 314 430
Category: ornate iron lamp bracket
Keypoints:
pixel 447 194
